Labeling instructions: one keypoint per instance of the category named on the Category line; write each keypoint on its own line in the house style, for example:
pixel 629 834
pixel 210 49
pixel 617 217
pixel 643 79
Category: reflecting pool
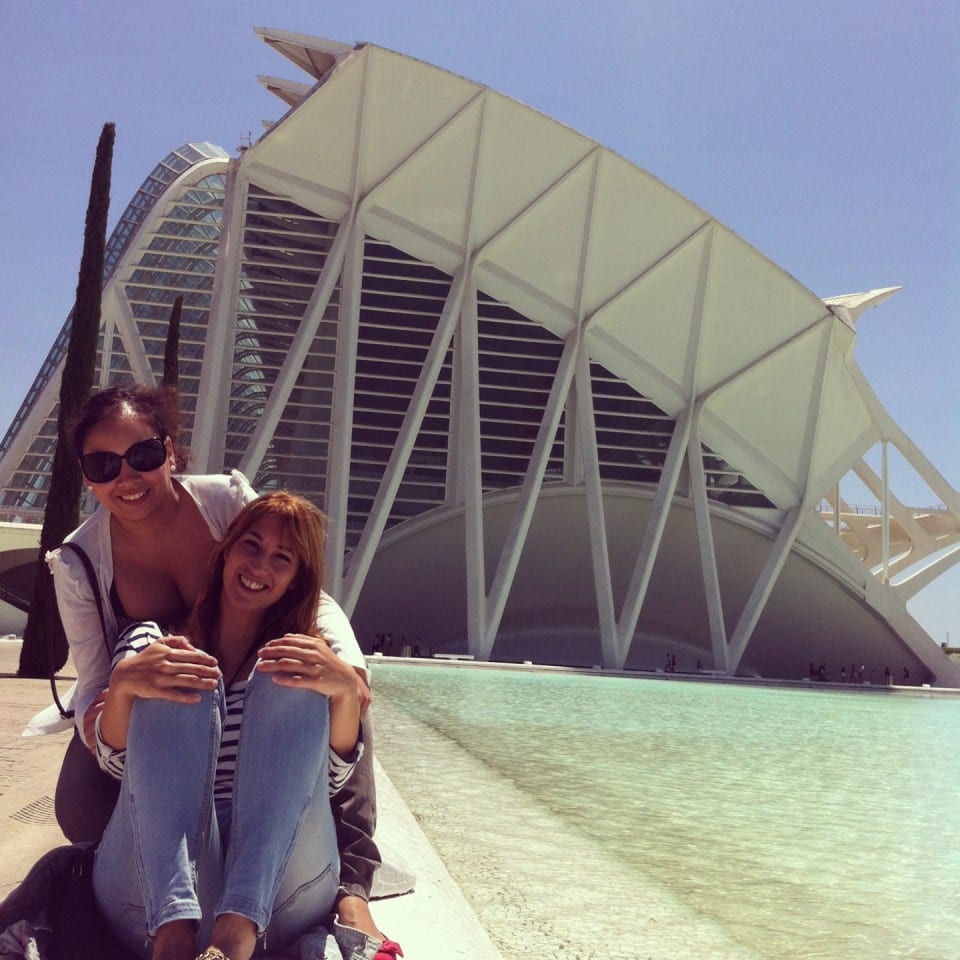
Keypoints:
pixel 616 817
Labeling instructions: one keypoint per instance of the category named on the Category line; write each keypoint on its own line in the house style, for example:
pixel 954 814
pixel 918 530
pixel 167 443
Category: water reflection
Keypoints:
pixel 773 823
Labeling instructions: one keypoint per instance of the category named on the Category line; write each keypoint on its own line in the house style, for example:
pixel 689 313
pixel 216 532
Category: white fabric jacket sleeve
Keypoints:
pixel 219 498
pixel 81 622
pixel 335 627
pixel 339 770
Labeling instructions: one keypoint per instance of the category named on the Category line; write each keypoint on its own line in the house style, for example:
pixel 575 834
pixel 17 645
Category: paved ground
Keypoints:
pixel 436 913
pixel 28 771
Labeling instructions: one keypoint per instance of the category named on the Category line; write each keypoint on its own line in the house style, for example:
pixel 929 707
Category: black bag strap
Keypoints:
pixel 95 587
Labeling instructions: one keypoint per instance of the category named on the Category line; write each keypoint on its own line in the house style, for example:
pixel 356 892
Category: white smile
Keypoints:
pixel 252 584
pixel 133 497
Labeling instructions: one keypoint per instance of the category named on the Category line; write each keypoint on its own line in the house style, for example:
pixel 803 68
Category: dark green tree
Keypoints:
pixel 44 648
pixel 171 352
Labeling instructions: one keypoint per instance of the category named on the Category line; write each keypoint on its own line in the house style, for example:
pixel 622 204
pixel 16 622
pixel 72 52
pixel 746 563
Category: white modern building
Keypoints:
pixel 554 410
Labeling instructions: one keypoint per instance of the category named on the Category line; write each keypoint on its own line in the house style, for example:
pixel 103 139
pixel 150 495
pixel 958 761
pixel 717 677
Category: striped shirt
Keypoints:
pixel 137 637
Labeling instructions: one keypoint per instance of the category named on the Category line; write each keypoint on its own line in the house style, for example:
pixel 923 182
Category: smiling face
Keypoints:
pixel 131 495
pixel 266 573
pixel 260 566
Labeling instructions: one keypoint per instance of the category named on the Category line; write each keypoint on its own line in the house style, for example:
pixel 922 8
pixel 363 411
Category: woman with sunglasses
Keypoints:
pixel 224 828
pixel 150 544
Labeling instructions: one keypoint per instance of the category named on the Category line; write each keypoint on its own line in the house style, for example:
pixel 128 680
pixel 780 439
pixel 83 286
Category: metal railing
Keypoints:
pixel 20 515
pixel 874 510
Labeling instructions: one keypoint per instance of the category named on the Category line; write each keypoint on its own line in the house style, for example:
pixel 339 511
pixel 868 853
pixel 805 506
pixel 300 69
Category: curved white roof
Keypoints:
pixel 574 236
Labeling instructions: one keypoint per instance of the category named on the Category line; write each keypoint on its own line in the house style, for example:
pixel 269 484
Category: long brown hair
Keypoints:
pixel 296 610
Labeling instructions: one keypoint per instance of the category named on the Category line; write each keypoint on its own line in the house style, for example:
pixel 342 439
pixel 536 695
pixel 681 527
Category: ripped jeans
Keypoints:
pixel 169 854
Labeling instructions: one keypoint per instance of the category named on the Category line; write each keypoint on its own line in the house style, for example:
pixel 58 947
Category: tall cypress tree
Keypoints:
pixel 171 352
pixel 44 648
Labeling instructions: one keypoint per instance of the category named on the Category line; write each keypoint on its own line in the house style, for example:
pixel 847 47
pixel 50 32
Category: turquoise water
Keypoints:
pixel 621 817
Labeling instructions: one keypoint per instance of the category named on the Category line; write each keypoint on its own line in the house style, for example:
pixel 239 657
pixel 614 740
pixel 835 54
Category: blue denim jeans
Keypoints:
pixel 168 854
pixel 86 797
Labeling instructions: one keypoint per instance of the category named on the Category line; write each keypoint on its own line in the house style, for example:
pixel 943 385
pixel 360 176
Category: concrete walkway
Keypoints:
pixel 435 913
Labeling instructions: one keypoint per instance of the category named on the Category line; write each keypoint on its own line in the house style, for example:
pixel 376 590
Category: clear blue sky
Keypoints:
pixel 826 133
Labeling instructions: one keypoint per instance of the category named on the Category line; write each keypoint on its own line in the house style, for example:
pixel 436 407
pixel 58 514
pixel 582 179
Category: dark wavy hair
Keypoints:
pixel 159 406
pixel 296 610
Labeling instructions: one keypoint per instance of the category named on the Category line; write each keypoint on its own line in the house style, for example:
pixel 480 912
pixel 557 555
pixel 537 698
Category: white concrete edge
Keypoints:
pixel 435 919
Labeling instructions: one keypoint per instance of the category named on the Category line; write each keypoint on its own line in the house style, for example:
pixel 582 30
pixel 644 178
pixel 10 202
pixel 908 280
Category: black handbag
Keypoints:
pixel 57 898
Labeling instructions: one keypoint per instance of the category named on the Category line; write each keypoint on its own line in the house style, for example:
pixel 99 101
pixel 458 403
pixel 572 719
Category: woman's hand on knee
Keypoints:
pixel 298 660
pixel 169 669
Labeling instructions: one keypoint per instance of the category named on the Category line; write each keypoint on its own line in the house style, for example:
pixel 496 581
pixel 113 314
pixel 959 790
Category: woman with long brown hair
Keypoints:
pixel 224 822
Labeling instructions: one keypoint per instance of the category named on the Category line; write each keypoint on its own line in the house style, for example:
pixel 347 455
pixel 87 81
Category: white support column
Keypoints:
pixel 694 460
pixel 600 553
pixel 923 541
pixel 119 319
pixel 209 433
pixel 470 469
pixel 465 429
pixel 110 304
pixel 529 491
pixel 455 472
pixel 885 512
pixel 760 594
pixel 400 455
pixel 559 392
pixel 463 448
pixel 721 649
pixel 836 511
pixel 708 555
pixel 764 586
pixel 297 353
pixel 652 535
pixel 572 454
pixel 586 425
pixel 673 463
pixel 337 496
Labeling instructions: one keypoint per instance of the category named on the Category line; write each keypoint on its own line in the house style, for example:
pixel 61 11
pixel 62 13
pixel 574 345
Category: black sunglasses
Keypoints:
pixel 104 465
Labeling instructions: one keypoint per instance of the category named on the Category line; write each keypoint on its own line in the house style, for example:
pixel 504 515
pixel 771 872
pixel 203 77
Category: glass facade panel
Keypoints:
pixel 284 251
pixel 400 307
pixel 156 279
pixel 518 361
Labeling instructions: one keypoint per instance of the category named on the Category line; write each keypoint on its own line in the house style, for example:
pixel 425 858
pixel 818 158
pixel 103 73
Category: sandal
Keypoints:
pixel 214 953
pixel 356 945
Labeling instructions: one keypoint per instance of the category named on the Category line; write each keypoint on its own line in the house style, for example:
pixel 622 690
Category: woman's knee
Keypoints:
pixel 292 702
pixel 164 713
